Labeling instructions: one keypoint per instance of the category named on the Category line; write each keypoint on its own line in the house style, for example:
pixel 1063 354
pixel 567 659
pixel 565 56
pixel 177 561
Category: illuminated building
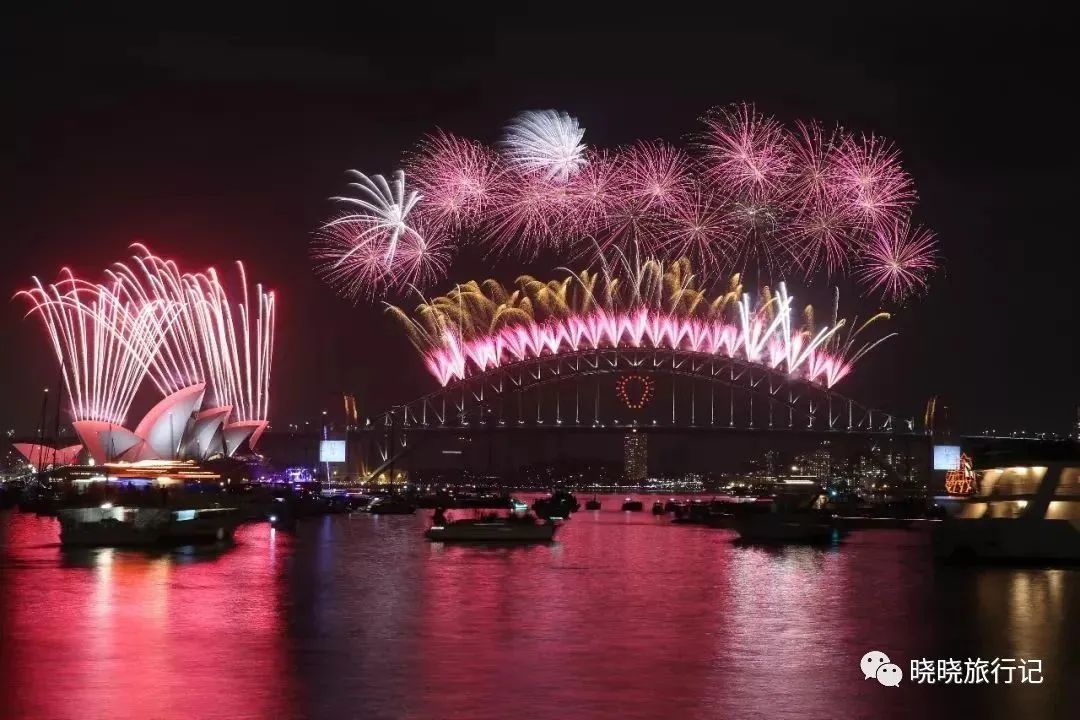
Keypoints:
pixel 816 464
pixel 636 456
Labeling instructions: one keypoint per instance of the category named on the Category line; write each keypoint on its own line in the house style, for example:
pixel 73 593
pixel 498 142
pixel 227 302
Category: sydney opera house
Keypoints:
pixel 206 354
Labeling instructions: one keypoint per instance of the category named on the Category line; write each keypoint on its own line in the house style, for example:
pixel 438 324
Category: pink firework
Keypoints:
pixel 699 228
pixel 456 178
pixel 657 174
pixel 527 214
pixel 898 261
pixel 632 227
pixel 823 235
pixel 745 151
pixel 815 175
pixel 871 179
pixel 594 194
pixel 358 269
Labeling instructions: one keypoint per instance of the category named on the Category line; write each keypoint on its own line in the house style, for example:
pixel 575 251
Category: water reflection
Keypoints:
pixel 623 616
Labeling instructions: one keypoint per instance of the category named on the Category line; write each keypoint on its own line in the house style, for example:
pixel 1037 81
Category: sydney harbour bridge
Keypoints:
pixel 616 390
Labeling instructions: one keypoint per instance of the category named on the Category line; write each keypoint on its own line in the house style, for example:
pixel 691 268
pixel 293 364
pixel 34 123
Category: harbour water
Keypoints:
pixel 625 616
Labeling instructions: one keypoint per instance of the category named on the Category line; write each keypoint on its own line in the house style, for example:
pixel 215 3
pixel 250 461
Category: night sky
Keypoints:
pixel 213 145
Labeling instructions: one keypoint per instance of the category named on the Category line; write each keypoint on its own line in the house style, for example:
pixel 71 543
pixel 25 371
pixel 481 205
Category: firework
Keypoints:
pixel 528 211
pixel 456 178
pixel 238 338
pixel 594 195
pixel 746 151
pixel 814 173
pixel 657 174
pixel 480 326
pixel 103 342
pixel 822 235
pixel 750 196
pixel 180 361
pixel 698 228
pixel 380 246
pixel 872 180
pixel 898 261
pixel 546 143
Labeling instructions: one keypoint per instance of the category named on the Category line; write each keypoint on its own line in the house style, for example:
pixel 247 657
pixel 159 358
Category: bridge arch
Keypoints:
pixel 576 391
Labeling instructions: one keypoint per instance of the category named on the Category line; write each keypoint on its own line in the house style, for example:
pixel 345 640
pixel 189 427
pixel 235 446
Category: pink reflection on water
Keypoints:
pixel 130 634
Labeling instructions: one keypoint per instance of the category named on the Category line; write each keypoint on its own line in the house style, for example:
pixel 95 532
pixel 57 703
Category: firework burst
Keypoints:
pixel 456 178
pixel 871 178
pixel 745 151
pixel 595 194
pixel 381 246
pixel 750 196
pixel 546 143
pixel 657 174
pixel 699 228
pixel 528 212
pixel 898 261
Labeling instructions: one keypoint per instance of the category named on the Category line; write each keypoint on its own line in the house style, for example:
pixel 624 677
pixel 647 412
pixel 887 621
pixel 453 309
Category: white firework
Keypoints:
pixel 547 142
pixel 383 217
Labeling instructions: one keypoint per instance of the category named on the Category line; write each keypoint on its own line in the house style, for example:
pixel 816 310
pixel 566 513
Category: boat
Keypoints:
pixel 783 528
pixel 496 530
pixel 794 515
pixel 631 505
pixel 658 508
pixel 1028 510
pixel 390 506
pixel 109 524
pixel 671 505
pixel 559 504
pixel 593 504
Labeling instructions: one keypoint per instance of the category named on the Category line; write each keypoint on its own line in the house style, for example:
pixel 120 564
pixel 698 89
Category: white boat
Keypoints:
pixel 1014 513
pixel 492 530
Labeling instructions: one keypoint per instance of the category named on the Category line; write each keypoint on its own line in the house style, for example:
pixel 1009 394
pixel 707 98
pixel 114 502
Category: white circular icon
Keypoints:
pixel 889 675
pixel 870 663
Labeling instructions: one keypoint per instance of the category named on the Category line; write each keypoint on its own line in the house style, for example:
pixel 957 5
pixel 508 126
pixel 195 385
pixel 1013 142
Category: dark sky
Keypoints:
pixel 217 144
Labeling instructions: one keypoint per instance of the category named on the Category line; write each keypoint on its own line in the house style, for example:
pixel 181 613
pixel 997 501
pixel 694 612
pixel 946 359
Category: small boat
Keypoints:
pixel 490 528
pixel 390 506
pixel 658 508
pixel 593 504
pixel 671 505
pixel 631 505
pixel 783 528
pixel 560 504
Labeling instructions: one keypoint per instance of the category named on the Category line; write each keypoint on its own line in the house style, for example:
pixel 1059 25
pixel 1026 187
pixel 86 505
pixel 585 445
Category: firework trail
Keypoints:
pixel 104 343
pixel 480 326
pixel 546 143
pixel 148 279
pixel 898 261
pixel 238 338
